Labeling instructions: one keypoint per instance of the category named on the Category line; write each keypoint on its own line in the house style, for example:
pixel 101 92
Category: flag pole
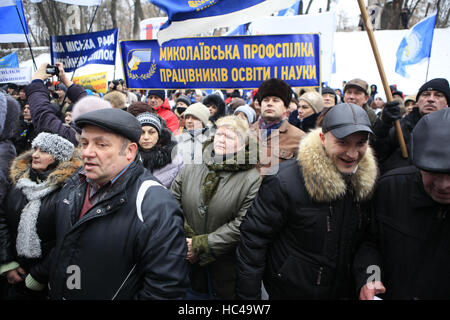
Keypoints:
pixel 84 42
pixel 387 90
pixel 26 37
pixel 431 48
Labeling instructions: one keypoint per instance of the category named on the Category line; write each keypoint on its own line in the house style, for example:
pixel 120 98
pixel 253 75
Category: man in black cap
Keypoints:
pixel 406 255
pixel 329 96
pixel 434 95
pixel 119 231
pixel 306 223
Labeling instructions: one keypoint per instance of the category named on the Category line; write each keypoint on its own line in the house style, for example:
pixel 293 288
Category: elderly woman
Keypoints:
pixel 215 196
pixel 310 106
pixel 26 220
pixel 155 149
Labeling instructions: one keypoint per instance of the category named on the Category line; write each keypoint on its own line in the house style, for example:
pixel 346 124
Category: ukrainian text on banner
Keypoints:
pixel 98 81
pixel 222 62
pixel 99 48
pixel 15 75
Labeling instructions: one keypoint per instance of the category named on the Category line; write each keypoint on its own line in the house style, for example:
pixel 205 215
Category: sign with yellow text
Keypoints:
pixel 97 80
pixel 222 62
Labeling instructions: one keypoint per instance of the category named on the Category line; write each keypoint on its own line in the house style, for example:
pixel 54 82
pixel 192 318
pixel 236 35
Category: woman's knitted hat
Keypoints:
pixel 55 145
pixel 150 119
pixel 314 99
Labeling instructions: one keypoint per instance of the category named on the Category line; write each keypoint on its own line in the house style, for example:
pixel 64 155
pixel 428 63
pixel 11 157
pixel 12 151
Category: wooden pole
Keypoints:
pixel 387 90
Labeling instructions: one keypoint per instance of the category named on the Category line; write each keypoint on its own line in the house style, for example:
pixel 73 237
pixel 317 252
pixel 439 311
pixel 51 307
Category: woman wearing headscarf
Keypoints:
pixel 215 196
pixel 27 232
pixel 310 106
pixel 156 149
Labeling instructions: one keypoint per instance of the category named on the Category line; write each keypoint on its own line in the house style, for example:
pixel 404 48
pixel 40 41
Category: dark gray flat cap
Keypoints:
pixel 430 148
pixel 113 120
pixel 344 119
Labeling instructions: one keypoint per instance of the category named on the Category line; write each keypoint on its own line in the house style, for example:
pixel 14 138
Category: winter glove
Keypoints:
pixel 391 112
pixel 32 284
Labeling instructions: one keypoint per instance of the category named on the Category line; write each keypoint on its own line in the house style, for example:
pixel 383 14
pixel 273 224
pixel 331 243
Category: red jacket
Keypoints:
pixel 170 117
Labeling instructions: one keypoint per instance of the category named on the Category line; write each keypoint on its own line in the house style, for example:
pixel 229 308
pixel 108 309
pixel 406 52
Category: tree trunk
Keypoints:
pixel 309 6
pixel 114 13
pixel 138 16
pixel 48 23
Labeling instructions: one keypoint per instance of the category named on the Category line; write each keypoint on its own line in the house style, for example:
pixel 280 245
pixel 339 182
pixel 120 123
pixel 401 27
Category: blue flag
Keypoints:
pixel 9 61
pixel 291 11
pixel 190 18
pixel 415 46
pixel 12 29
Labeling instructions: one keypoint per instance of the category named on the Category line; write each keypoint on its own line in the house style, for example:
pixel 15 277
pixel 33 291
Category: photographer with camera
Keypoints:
pixel 49 117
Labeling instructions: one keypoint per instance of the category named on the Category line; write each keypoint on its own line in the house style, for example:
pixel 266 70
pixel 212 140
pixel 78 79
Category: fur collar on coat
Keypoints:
pixel 20 168
pixel 323 181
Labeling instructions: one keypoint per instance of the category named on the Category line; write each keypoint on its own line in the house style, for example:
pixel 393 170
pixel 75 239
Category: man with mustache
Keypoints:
pixel 432 96
pixel 307 221
pixel 406 256
pixel 119 232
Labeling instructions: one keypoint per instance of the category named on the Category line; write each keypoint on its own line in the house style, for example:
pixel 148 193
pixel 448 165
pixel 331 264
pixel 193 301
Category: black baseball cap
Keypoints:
pixel 344 119
pixel 113 120
pixel 430 150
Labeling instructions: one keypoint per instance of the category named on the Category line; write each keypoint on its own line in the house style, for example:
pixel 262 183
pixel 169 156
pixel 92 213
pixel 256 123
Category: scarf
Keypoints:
pixel 28 243
pixel 227 163
pixel 268 127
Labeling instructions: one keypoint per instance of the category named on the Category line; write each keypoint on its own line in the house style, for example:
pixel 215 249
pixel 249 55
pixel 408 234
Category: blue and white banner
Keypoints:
pixel 222 62
pixel 9 61
pixel 15 75
pixel 95 47
pixel 416 46
pixel 191 18
pixel 76 2
pixel 12 22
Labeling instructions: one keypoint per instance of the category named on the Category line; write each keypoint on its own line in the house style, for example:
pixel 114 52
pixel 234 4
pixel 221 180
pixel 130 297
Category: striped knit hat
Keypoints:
pixel 150 119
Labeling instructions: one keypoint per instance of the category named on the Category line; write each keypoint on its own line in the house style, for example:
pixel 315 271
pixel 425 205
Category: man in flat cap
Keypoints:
pixel 406 255
pixel 432 96
pixel 306 223
pixel 119 231
pixel 356 91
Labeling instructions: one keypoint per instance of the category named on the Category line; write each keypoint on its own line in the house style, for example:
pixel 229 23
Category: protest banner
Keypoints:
pixel 15 75
pixel 95 47
pixel 222 62
pixel 98 81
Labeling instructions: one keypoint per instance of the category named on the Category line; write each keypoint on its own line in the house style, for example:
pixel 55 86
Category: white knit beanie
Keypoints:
pixel 55 145
pixel 198 110
pixel 314 99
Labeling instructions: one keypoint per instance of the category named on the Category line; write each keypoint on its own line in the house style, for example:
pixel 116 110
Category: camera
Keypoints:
pixel 53 70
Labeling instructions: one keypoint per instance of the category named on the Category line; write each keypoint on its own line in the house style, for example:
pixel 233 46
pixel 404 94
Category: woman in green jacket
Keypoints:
pixel 215 196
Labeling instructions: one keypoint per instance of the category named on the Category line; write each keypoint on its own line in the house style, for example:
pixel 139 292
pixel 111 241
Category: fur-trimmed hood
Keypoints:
pixel 21 166
pixel 323 181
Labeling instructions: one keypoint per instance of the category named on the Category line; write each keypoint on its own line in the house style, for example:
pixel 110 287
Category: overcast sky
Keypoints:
pixel 350 7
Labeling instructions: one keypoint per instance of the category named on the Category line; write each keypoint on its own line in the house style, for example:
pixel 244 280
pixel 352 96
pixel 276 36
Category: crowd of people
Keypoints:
pixel 271 193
